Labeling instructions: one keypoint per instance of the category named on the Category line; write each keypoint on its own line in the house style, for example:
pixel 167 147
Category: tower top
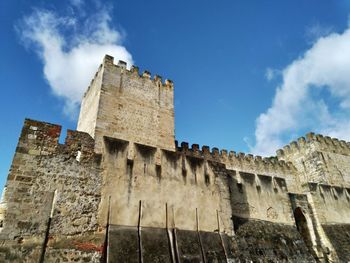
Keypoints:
pixel 122 104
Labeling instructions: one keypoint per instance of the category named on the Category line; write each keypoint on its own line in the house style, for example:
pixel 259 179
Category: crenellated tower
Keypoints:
pixel 122 104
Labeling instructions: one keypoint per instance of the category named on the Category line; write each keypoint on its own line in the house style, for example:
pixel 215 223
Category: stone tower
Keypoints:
pixel 120 103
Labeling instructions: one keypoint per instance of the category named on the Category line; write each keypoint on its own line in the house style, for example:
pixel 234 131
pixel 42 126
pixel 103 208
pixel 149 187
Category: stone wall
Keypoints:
pixel 156 188
pixel 263 241
pixel 175 205
pixel 52 191
pixel 192 193
pixel 323 164
pixel 319 159
pixel 332 203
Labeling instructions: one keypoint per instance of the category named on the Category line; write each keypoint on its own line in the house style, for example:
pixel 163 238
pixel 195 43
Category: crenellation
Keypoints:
pixel 134 70
pixel 195 148
pixel 328 140
pixel 310 136
pixel 286 149
pixel 184 146
pixel 258 158
pixel 319 137
pixel 122 64
pixel 249 157
pixel 294 146
pixel 223 154
pixel 158 79
pixel 108 59
pixel 215 153
pixel 240 156
pixel 232 154
pixel 206 150
pixel 169 83
pixel 146 74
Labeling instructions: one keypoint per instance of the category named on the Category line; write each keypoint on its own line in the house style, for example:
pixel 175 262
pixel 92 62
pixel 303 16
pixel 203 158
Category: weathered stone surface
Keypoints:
pixel 124 105
pixel 189 246
pixel 155 245
pixel 262 241
pixel 339 235
pixel 123 244
pixel 213 247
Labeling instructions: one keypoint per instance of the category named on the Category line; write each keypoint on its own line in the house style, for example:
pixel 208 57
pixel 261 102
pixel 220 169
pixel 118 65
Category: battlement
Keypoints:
pixel 240 161
pixel 42 138
pixel 132 70
pixel 316 142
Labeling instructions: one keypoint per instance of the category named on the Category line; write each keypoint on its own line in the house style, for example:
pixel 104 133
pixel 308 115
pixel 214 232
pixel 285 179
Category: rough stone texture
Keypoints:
pixel 46 180
pixel 125 191
pixel 339 235
pixel 189 246
pixel 123 244
pixel 155 245
pixel 262 241
pixel 121 104
pixel 319 159
pixel 213 247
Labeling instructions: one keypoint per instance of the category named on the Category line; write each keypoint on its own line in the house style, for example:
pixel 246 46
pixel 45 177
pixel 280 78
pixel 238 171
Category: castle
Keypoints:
pixel 121 189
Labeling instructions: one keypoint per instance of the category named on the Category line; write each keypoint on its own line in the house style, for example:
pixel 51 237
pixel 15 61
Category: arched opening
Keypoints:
pixel 303 228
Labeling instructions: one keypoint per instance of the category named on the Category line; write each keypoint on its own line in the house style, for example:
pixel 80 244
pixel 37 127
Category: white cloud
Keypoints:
pixel 71 50
pixel 325 67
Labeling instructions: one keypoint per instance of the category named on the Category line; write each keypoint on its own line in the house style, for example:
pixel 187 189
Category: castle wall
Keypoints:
pixel 184 200
pixel 150 193
pixel 261 197
pixel 52 191
pixel 332 203
pixel 323 164
pixel 139 177
pixel 122 190
pixel 163 188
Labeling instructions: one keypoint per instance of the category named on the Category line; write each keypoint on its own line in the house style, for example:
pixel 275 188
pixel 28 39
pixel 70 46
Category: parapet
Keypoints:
pixel 134 70
pixel 241 161
pixel 318 142
pixel 42 138
pixel 108 61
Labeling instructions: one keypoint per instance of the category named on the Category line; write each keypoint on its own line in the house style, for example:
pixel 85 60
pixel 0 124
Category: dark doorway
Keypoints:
pixel 303 228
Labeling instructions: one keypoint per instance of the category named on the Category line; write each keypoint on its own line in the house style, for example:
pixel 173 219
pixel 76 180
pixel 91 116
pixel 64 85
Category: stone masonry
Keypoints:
pixel 121 189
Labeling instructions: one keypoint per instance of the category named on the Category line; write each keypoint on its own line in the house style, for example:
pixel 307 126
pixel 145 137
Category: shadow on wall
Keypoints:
pixel 238 198
pixel 303 228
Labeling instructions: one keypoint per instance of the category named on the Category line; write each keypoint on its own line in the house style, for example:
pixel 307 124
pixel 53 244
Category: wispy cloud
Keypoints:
pixel 316 31
pixel 271 73
pixel 314 95
pixel 71 48
pixel 77 3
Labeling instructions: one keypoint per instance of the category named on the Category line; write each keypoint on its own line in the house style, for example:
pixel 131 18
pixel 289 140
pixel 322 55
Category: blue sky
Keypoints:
pixel 249 75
